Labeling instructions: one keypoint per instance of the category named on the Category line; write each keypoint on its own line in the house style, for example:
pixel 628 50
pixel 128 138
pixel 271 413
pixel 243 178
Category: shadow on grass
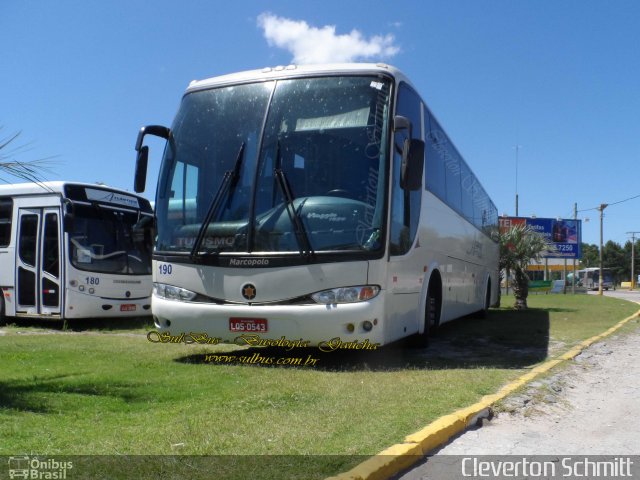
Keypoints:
pixel 85 324
pixel 505 339
pixel 34 395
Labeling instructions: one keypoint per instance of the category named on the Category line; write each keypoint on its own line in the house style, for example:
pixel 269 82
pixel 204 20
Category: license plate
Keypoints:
pixel 248 325
pixel 128 307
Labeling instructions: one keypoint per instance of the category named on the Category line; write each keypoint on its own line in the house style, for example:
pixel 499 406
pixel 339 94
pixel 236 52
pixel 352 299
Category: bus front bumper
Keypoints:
pixel 307 324
pixel 82 305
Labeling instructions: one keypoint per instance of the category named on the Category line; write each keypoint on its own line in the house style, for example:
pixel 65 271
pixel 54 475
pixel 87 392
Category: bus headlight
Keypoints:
pixel 173 293
pixel 346 294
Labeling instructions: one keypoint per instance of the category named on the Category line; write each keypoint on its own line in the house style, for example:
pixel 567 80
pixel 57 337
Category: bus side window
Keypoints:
pixel 405 205
pixel 6 211
pixel 435 176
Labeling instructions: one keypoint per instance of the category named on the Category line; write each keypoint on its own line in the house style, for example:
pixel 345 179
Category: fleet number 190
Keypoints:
pixel 165 269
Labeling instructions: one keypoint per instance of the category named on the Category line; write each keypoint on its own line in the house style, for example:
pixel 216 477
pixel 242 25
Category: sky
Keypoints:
pixel 558 80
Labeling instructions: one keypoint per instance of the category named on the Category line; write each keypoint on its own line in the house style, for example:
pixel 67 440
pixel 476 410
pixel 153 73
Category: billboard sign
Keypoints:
pixel 564 234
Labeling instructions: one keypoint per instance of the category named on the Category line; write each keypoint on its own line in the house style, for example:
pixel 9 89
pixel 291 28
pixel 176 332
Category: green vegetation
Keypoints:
pixel 102 394
pixel 614 256
pixel 519 245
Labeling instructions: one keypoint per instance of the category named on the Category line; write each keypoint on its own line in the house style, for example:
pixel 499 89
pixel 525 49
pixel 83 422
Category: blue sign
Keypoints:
pixel 564 235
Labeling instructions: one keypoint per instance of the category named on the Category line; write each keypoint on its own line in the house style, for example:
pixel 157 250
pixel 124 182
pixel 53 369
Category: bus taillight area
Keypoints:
pixel 247 324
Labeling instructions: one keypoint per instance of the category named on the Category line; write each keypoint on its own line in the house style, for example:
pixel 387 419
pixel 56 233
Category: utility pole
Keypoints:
pixel 575 217
pixel 633 255
pixel 517 150
pixel 601 208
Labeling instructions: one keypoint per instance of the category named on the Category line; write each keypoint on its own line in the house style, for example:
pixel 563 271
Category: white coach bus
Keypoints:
pixel 315 203
pixel 74 250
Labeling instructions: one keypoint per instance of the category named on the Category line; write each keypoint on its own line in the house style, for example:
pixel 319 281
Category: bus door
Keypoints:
pixel 38 253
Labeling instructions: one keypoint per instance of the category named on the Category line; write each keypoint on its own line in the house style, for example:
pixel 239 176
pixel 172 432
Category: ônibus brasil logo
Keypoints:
pixel 37 468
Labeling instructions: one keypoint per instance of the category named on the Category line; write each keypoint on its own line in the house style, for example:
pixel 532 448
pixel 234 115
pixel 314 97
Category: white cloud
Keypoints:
pixel 310 44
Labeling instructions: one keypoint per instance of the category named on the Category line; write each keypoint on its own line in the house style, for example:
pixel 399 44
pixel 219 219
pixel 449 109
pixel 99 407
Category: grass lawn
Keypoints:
pixel 93 393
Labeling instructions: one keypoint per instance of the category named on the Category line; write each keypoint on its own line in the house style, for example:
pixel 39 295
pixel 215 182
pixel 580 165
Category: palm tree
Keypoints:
pixel 31 171
pixel 518 246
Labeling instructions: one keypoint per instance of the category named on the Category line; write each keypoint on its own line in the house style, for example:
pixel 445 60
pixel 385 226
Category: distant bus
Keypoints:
pixel 74 250
pixel 589 278
pixel 293 202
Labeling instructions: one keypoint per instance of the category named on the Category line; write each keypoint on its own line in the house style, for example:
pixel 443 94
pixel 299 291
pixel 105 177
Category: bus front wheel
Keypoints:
pixel 433 306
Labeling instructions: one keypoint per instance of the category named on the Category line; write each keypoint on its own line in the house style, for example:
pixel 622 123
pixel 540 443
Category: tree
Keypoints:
pixel 31 171
pixel 520 245
pixel 590 255
pixel 613 257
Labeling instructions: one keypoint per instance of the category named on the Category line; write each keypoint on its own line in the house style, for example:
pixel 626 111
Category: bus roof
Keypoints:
pixel 57 187
pixel 290 71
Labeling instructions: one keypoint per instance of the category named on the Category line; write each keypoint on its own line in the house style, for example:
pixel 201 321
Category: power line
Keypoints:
pixel 609 204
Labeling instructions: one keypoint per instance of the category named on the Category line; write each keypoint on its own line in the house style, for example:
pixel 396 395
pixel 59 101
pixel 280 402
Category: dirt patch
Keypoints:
pixel 585 408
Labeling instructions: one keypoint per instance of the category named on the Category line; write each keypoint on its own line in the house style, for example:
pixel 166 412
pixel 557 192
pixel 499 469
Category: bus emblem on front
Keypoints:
pixel 249 291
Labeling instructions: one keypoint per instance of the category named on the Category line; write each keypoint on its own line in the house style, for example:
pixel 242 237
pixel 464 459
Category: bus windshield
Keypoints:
pixel 310 175
pixel 110 241
pixel 608 277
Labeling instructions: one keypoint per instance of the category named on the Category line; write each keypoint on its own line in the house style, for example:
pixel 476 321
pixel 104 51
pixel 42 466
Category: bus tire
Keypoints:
pixel 487 301
pixel 433 307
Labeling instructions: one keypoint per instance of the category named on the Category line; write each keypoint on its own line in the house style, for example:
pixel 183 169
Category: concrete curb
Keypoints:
pixel 401 456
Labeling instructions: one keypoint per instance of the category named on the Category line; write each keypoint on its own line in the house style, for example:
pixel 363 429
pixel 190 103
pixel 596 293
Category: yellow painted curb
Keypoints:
pixel 401 456
pixel 385 464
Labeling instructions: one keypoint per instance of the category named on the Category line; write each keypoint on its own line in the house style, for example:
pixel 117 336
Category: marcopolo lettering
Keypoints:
pixel 248 262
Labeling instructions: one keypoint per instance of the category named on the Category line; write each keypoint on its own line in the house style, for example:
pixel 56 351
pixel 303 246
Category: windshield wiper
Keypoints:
pixel 228 183
pixel 301 234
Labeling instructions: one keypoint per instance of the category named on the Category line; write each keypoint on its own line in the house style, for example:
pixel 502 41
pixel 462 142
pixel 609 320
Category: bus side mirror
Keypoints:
pixel 412 165
pixel 412 156
pixel 142 159
pixel 140 178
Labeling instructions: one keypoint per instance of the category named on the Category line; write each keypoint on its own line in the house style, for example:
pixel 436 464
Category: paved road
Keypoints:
pixel 632 296
pixel 591 407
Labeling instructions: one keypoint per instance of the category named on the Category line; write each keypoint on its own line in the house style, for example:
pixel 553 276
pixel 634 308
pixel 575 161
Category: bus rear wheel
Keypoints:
pixel 487 302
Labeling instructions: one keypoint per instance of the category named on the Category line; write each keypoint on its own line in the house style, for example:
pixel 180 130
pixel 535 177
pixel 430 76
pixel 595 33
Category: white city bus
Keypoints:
pixel 74 250
pixel 315 203
pixel 589 278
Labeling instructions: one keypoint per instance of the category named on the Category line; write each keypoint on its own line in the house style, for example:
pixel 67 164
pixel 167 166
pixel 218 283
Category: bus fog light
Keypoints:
pixel 92 290
pixel 367 325
pixel 351 327
pixel 81 288
pixel 73 283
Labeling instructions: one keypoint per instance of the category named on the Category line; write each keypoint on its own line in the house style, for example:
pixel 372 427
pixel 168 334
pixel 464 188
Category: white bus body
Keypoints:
pixel 311 230
pixel 589 278
pixel 74 250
